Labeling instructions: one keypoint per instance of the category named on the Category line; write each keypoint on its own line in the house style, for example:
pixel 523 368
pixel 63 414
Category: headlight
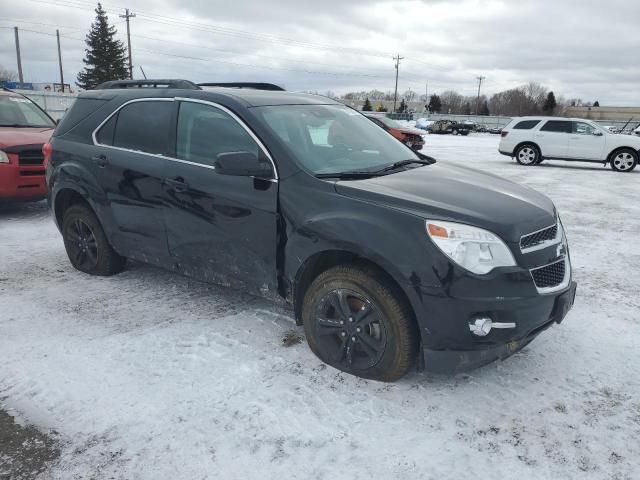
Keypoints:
pixel 3 157
pixel 474 249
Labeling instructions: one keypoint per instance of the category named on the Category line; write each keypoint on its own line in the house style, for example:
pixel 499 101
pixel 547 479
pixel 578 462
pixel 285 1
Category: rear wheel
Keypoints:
pixel 455 131
pixel 624 160
pixel 527 154
pixel 86 244
pixel 355 321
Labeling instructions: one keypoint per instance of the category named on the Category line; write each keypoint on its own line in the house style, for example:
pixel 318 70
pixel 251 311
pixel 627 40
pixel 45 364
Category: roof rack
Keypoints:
pixel 255 86
pixel 182 84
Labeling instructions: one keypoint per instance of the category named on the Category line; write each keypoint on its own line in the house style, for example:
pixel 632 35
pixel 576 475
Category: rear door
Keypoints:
pixel 220 228
pixel 553 138
pixel 130 168
pixel 583 144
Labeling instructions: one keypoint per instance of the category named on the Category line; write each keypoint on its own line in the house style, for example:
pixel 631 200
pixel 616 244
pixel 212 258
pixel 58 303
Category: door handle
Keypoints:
pixel 101 160
pixel 178 184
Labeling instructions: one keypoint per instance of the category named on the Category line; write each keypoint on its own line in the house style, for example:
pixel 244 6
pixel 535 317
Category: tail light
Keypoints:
pixel 504 134
pixel 46 152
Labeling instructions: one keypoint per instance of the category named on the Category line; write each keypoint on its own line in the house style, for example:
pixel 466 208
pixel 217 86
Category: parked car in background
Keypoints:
pixel 611 128
pixel 495 130
pixel 24 129
pixel 637 131
pixel 389 258
pixel 423 123
pixel 442 127
pixel 531 140
pixel 411 137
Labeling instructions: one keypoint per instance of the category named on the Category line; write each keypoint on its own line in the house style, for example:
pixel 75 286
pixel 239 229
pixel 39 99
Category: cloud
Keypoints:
pixel 577 48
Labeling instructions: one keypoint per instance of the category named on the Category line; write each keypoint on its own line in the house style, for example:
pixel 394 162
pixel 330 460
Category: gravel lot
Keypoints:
pixel 149 375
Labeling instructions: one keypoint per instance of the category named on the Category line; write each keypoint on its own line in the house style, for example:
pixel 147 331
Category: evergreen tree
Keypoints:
pixel 367 105
pixel 105 56
pixel 403 107
pixel 550 104
pixel 435 104
pixel 484 109
pixel 596 103
pixel 467 108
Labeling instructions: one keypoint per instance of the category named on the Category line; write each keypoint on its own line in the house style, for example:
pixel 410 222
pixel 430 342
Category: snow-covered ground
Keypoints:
pixel 149 375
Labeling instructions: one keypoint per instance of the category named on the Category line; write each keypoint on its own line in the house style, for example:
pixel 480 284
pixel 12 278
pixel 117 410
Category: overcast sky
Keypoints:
pixel 580 49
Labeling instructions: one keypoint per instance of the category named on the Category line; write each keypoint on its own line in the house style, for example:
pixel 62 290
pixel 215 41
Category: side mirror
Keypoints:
pixel 242 164
pixel 597 133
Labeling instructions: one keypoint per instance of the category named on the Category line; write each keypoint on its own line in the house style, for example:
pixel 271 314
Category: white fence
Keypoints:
pixel 55 104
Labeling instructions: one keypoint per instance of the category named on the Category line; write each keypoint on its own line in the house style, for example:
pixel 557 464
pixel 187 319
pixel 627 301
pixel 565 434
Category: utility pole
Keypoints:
pixel 15 30
pixel 395 95
pixel 127 16
pixel 480 79
pixel 60 60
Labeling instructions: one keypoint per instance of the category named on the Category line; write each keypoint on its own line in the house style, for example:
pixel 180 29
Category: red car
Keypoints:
pixel 24 129
pixel 411 137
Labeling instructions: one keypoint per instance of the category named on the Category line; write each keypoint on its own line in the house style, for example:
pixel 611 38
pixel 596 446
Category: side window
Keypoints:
pixel 558 126
pixel 105 134
pixel 526 124
pixel 582 128
pixel 143 126
pixel 205 131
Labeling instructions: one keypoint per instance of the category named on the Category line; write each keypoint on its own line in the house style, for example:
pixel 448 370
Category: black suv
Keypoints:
pixel 389 259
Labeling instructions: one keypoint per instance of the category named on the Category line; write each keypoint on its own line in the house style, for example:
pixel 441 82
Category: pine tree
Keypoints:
pixel 402 108
pixel 435 104
pixel 484 108
pixel 105 56
pixel 367 105
pixel 596 103
pixel 550 104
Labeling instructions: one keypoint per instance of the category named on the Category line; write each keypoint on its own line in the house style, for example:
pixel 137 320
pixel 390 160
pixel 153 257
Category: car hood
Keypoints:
pixel 11 136
pixel 411 131
pixel 458 194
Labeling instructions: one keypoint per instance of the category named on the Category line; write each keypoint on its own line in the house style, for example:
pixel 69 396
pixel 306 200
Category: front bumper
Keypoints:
pixel 531 315
pixel 22 182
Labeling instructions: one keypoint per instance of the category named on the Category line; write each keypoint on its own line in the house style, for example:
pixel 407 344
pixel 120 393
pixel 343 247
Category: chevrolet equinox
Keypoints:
pixel 389 259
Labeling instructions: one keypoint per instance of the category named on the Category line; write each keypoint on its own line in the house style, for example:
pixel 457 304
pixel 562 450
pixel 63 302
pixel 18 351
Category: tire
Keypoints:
pixel 355 321
pixel 455 131
pixel 527 155
pixel 86 244
pixel 623 160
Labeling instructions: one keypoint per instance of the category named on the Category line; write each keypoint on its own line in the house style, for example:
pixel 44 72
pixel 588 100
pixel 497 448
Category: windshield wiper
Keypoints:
pixel 21 125
pixel 402 163
pixel 347 175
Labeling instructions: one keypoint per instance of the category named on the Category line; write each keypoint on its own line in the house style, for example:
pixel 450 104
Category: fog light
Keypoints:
pixel 481 326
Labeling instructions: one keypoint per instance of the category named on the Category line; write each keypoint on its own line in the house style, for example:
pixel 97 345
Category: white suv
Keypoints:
pixel 530 140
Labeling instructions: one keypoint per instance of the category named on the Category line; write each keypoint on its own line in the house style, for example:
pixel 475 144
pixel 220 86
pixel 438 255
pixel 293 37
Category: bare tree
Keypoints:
pixel 452 101
pixel 7 75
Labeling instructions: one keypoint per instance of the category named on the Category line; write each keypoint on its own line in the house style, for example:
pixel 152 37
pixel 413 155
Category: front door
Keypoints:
pixel 583 144
pixel 129 167
pixel 220 228
pixel 553 138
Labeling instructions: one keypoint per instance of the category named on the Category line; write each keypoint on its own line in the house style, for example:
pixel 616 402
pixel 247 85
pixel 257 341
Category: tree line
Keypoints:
pixel 530 99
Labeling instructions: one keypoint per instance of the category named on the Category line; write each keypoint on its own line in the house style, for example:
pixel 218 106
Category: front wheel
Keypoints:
pixel 527 155
pixel 455 132
pixel 624 160
pixel 355 321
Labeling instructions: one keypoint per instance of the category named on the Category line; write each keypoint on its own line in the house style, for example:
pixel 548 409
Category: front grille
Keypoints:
pixel 549 275
pixel 536 238
pixel 32 173
pixel 31 157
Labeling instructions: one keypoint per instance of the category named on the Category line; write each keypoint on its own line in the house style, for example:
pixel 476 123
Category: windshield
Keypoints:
pixel 22 112
pixel 334 138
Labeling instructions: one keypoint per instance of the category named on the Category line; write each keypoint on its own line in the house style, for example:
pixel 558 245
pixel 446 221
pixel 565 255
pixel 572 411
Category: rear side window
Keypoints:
pixel 81 109
pixel 560 126
pixel 143 126
pixel 526 124
pixel 205 131
pixel 105 134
